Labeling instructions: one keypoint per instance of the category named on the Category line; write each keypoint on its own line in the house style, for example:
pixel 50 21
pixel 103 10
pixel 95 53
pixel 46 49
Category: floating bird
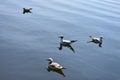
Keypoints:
pixel 96 40
pixel 27 10
pixel 54 65
pixel 66 43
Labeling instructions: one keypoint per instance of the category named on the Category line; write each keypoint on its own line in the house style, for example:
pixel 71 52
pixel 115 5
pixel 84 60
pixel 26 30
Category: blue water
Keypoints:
pixel 27 40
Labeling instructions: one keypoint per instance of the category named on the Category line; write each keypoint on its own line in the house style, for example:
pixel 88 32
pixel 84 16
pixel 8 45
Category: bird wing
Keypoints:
pixel 96 40
pixel 72 41
pixel 66 41
pixel 56 65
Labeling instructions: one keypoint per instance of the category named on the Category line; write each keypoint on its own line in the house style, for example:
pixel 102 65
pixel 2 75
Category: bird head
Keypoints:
pixel 61 36
pixel 50 59
pixel 101 37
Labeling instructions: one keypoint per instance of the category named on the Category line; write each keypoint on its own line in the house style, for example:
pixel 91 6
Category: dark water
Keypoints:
pixel 27 40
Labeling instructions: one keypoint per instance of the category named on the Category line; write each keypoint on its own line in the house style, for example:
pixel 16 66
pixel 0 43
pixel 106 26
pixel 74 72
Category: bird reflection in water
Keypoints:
pixel 59 71
pixel 68 46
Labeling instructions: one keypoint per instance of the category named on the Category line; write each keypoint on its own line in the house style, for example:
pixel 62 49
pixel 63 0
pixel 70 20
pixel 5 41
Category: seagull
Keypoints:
pixel 66 43
pixel 27 10
pixel 96 40
pixel 54 65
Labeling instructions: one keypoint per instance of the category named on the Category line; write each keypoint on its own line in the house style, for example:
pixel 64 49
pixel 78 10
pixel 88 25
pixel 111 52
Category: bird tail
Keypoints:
pixel 73 41
pixel 64 68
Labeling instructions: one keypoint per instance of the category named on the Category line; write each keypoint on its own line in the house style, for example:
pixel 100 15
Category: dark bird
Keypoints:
pixel 27 10
pixel 96 40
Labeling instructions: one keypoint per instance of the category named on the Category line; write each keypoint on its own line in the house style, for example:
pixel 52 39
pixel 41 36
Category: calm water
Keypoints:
pixel 27 40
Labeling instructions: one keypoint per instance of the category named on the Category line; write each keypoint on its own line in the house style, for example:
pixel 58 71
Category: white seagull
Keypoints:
pixel 96 40
pixel 54 65
pixel 66 42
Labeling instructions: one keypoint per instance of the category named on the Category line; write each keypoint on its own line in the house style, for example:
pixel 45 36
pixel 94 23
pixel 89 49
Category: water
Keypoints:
pixel 27 40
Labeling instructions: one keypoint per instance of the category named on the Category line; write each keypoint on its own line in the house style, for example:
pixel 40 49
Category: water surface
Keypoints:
pixel 27 40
